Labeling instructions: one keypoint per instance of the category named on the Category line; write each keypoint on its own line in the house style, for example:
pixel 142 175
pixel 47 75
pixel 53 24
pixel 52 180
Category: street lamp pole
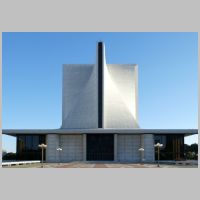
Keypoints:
pixel 42 146
pixel 158 145
pixel 142 154
pixel 59 150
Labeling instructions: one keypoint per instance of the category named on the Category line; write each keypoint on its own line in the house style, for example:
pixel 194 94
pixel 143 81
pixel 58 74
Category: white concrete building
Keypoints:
pixel 100 119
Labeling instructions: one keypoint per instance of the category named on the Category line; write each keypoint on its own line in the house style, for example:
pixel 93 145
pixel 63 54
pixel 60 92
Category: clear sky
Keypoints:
pixel 32 76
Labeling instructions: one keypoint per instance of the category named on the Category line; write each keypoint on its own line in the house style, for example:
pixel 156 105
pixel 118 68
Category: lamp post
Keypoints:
pixel 142 154
pixel 59 150
pixel 158 145
pixel 42 146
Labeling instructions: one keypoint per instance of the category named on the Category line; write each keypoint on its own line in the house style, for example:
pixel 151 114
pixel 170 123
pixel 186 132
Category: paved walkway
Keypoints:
pixel 114 165
pixel 96 165
pixel 100 165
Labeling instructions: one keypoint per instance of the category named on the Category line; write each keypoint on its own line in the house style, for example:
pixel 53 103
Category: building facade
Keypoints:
pixel 100 120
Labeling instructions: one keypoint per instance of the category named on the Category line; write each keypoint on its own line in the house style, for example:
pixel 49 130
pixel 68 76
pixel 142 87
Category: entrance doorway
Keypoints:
pixel 100 147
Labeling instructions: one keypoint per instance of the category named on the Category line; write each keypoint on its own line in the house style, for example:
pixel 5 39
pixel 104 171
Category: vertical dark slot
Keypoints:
pixel 100 84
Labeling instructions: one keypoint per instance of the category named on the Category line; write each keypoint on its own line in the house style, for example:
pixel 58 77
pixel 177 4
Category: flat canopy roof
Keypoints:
pixel 14 132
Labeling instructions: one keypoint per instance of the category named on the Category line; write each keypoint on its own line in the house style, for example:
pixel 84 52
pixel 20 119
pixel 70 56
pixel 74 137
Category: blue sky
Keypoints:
pixel 32 76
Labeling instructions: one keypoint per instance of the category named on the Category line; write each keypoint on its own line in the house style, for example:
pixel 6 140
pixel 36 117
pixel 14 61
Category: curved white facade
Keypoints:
pixel 118 97
pixel 79 107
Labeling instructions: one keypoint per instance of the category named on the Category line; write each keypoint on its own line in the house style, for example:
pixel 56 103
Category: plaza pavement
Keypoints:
pixel 101 165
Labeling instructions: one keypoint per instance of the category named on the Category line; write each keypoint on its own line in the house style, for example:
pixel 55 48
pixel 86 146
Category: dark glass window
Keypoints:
pixel 100 147
pixel 174 146
pixel 27 147
pixel 29 142
pixel 35 143
pixel 160 139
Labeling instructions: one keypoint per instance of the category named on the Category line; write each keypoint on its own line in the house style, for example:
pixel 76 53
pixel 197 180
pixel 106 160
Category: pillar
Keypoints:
pixel 52 144
pixel 115 148
pixel 84 147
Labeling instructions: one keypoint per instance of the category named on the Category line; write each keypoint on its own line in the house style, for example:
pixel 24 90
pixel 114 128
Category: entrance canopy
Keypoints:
pixel 14 132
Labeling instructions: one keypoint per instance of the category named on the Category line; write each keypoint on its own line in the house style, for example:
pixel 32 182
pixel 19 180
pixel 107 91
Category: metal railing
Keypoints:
pixel 20 162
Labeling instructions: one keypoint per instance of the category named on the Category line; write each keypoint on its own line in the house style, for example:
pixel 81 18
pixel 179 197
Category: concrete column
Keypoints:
pixel 84 147
pixel 142 154
pixel 52 144
pixel 149 151
pixel 115 148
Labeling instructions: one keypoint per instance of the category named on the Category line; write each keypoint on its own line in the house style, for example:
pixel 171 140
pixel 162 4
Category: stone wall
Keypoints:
pixel 72 148
pixel 127 148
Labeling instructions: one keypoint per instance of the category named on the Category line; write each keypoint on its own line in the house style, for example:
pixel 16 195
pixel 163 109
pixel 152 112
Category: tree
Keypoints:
pixel 4 152
pixel 194 148
pixel 191 151
pixel 9 156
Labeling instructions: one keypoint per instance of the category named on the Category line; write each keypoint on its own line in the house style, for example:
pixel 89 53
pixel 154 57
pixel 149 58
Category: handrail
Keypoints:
pixel 20 162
